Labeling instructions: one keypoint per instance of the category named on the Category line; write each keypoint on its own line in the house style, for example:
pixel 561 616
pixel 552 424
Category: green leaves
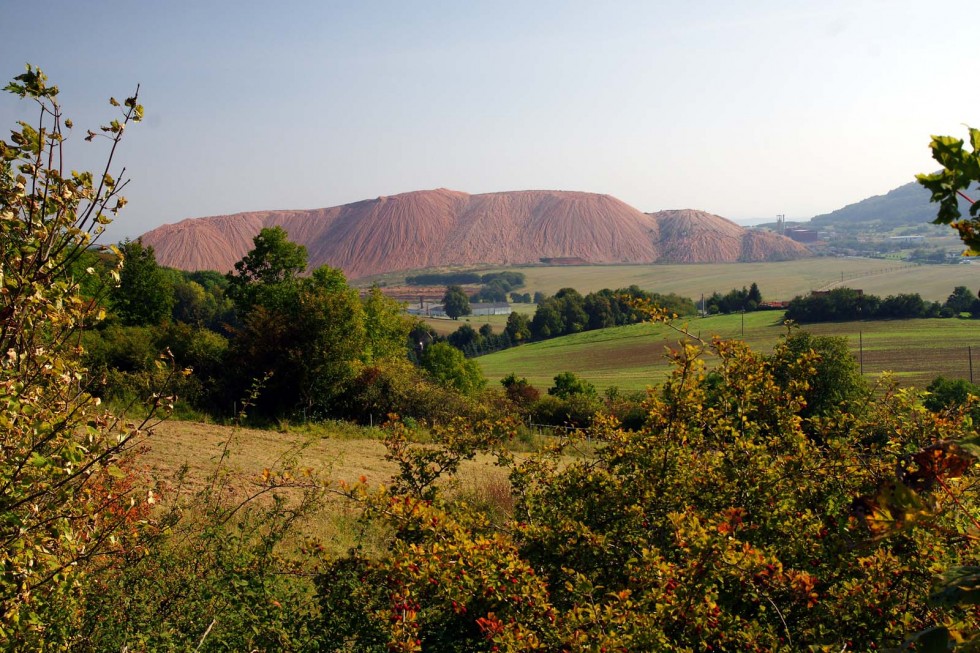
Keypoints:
pixel 961 169
pixel 61 501
pixel 32 84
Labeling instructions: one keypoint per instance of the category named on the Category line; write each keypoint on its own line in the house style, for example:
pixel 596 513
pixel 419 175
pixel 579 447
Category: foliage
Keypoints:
pixel 200 300
pixel 67 505
pixel 311 338
pixel 509 280
pixel 746 299
pixel 567 384
pixel 448 367
pixel 225 566
pixel 847 304
pixel 307 337
pixel 833 378
pixel 144 295
pixel 960 169
pixel 272 265
pixel 961 300
pixel 953 395
pixel 519 391
pixel 518 327
pixel 400 388
pixel 386 328
pixel 455 302
pixel 721 525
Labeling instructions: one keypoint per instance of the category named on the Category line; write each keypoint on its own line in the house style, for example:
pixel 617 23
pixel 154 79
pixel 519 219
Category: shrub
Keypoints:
pixel 721 525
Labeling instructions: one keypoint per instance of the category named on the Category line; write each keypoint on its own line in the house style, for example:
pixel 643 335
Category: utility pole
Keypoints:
pixel 861 350
pixel 969 353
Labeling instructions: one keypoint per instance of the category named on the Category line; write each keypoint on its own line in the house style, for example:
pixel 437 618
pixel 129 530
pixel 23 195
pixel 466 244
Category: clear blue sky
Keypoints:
pixel 744 109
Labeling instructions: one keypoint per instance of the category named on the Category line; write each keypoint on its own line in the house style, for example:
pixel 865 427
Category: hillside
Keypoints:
pixel 633 357
pixel 906 205
pixel 688 236
pixel 442 227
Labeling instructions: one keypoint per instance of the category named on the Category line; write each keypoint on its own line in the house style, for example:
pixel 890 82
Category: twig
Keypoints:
pixel 789 637
pixel 205 635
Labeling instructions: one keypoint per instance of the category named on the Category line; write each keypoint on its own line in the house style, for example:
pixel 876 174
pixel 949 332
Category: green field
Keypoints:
pixel 633 357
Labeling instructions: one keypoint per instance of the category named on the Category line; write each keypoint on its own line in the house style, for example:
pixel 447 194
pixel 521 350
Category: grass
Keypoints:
pixel 633 357
pixel 778 281
pixel 335 451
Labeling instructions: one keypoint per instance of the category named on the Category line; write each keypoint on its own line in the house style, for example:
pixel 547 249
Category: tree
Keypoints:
pixel 520 391
pixel 568 384
pixel 272 265
pixel 547 321
pixel 464 338
pixel 833 376
pixel 67 505
pixel 386 327
pixel 960 171
pixel 455 302
pixel 571 305
pixel 754 297
pixel 448 367
pixel 302 337
pixel 144 295
pixel 961 300
pixel 903 306
pixel 518 327
pixel 945 394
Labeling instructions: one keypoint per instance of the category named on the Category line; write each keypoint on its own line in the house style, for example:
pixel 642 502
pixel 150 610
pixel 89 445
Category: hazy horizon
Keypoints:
pixel 742 111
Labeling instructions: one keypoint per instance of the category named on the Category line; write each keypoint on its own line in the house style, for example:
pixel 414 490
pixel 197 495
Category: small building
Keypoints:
pixel 490 308
pixel 426 308
pixel 430 309
pixel 803 235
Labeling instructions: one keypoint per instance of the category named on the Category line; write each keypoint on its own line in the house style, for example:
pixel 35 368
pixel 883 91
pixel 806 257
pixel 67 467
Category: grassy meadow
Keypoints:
pixel 777 281
pixel 633 357
pixel 335 451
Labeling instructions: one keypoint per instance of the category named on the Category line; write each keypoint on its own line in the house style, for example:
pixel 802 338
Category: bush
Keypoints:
pixel 720 525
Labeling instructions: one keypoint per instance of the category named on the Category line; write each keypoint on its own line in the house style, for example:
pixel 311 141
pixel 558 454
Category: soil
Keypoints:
pixel 425 229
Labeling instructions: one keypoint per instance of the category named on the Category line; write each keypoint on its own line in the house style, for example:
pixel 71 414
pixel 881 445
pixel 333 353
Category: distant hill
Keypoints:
pixel 905 205
pixel 443 227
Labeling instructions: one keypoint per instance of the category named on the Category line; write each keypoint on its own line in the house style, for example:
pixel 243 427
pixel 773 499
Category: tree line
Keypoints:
pixel 564 313
pixel 847 304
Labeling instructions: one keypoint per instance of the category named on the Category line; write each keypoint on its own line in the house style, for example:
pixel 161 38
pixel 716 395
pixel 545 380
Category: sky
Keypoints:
pixel 743 109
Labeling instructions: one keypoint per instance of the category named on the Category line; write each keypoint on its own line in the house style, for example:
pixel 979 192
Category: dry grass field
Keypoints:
pixel 335 452
pixel 778 281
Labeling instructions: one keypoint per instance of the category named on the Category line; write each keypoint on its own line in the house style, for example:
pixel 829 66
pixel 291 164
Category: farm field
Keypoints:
pixel 633 357
pixel 335 452
pixel 777 281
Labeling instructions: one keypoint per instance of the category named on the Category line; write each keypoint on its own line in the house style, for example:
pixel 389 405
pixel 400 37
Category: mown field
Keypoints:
pixel 633 357
pixel 778 281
